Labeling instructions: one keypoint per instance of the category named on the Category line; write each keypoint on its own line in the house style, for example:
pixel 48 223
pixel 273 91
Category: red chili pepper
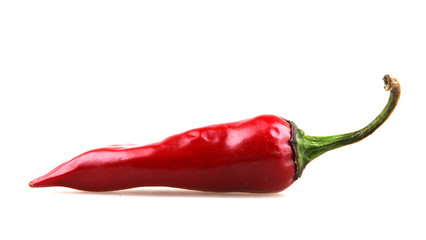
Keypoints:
pixel 263 154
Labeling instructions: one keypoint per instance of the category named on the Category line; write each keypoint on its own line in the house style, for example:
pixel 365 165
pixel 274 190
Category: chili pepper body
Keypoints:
pixel 253 155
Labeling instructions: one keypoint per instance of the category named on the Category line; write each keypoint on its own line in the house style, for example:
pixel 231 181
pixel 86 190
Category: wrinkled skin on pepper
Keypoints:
pixel 253 155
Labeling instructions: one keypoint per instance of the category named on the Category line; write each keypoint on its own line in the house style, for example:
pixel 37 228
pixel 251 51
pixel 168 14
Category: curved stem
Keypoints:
pixel 311 147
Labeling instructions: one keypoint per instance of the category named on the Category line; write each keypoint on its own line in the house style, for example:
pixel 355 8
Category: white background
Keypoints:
pixel 77 75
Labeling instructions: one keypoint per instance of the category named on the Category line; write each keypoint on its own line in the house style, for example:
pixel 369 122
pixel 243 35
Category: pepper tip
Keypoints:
pixel 33 183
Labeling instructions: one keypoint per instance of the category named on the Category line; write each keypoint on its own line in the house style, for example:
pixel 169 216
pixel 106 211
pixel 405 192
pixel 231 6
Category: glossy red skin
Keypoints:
pixel 253 155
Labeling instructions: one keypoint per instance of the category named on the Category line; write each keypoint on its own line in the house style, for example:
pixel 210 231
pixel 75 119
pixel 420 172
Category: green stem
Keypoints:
pixel 310 147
